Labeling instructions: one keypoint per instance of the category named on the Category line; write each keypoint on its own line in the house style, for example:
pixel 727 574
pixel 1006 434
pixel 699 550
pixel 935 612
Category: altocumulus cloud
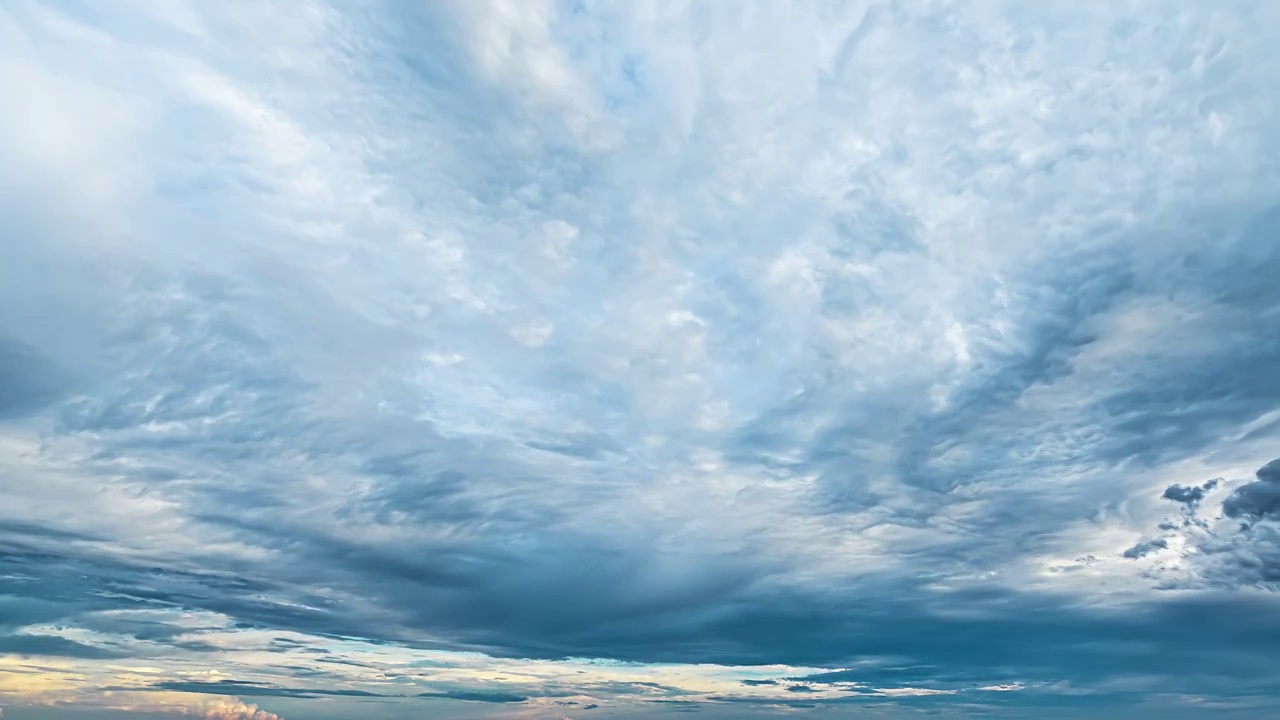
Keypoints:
pixel 474 359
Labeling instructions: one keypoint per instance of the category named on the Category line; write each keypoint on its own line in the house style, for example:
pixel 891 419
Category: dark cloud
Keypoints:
pixel 1188 494
pixel 893 673
pixel 244 688
pixel 18 530
pixel 1259 499
pixel 1247 554
pixel 1239 549
pixel 475 696
pixel 1145 548
pixel 920 644
pixel 681 706
pixel 56 646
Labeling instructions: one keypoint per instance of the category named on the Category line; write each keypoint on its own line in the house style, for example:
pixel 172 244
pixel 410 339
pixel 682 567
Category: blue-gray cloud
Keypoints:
pixel 1259 499
pixel 54 646
pixel 28 382
pixel 1189 494
pixel 667 335
pixel 484 697
pixel 1145 547
pixel 252 689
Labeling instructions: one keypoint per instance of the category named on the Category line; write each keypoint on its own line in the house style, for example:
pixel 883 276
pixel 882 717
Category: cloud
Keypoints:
pixel 245 688
pixel 473 696
pixel 53 645
pixel 648 335
pixel 1238 548
pixel 1259 499
pixel 27 382
pixel 1245 549
pixel 1188 495
pixel 1146 547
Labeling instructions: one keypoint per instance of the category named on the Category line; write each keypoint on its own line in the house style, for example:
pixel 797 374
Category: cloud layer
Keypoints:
pixel 541 359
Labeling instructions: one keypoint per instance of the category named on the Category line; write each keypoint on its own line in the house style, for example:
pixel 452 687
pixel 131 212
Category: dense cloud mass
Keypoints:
pixel 1259 499
pixel 1235 546
pixel 1189 495
pixel 567 358
pixel 1251 548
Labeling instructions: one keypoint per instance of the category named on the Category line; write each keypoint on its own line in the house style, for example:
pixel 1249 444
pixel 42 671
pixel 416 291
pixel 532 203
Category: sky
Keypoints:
pixel 547 360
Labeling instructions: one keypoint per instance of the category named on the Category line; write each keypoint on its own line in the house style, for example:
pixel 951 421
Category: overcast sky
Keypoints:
pixel 544 360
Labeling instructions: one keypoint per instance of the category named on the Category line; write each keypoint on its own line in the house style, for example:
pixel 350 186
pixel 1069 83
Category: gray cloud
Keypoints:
pixel 512 332
pixel 1259 499
pixel 1188 494
pixel 1239 548
pixel 55 646
pixel 483 697
pixel 252 689
pixel 1145 547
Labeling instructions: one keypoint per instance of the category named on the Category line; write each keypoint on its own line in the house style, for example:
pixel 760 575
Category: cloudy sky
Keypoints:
pixel 546 359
